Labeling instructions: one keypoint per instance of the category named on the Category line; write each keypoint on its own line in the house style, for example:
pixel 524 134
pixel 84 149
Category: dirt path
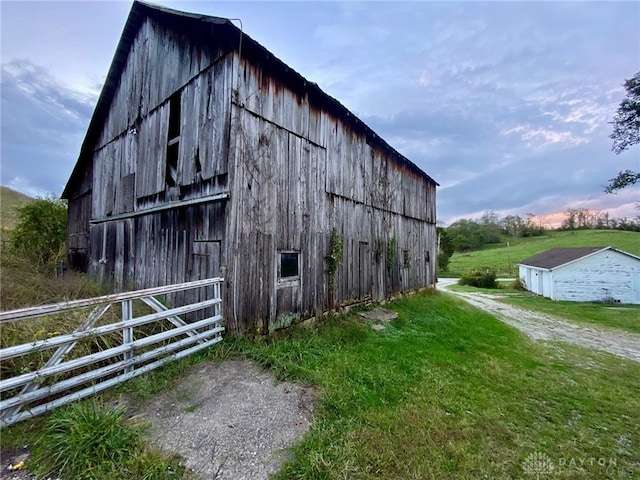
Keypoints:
pixel 541 326
pixel 230 420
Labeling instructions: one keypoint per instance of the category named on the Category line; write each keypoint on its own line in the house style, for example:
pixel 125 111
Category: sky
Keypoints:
pixel 505 104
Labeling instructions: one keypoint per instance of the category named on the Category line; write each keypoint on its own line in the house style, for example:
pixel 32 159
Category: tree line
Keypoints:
pixel 474 233
pixel 585 219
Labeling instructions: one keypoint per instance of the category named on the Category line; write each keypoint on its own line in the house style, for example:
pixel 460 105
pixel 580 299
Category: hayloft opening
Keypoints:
pixel 173 140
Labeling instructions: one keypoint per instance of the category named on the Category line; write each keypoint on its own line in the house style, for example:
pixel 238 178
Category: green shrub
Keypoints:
pixel 443 262
pixel 518 284
pixel 479 279
pixel 41 230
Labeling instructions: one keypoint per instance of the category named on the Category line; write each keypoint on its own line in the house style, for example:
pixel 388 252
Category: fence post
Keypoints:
pixel 127 332
pixel 218 295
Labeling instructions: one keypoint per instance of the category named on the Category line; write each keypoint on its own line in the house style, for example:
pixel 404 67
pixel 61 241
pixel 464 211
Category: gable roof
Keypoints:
pixel 204 25
pixel 559 256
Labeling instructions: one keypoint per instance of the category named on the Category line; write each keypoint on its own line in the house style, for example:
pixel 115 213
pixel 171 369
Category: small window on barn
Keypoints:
pixel 289 265
pixel 173 140
pixel 406 259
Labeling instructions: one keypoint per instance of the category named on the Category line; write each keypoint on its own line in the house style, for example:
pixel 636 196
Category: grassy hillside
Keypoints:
pixel 9 201
pixel 497 257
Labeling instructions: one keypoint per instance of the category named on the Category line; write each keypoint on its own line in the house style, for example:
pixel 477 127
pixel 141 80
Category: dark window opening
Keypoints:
pixel 173 140
pixel 289 264
pixel 406 258
pixel 428 257
pixel 174 116
pixel 196 159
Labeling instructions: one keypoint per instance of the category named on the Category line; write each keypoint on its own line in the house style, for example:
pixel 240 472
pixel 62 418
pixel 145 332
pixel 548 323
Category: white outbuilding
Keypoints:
pixel 583 274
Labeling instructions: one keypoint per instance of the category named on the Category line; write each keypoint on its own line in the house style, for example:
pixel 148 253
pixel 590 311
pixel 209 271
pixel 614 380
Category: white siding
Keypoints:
pixel 537 280
pixel 605 275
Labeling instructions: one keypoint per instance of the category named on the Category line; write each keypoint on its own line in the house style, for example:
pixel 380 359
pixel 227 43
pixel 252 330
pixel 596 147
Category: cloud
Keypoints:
pixel 505 104
pixel 43 124
pixel 25 186
pixel 540 137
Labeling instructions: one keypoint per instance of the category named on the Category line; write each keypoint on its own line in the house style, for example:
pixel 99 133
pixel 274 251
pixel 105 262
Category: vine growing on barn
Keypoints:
pixel 335 256
pixel 391 252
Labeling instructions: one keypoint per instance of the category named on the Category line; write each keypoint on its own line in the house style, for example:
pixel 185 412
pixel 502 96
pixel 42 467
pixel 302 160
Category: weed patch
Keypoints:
pixel 90 440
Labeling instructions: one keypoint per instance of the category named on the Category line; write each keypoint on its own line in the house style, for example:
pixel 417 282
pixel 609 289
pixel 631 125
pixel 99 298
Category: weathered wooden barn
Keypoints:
pixel 583 274
pixel 206 153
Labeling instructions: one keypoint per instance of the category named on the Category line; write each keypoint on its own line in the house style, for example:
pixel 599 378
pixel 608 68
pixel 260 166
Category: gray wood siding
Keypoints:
pixel 130 169
pixel 295 167
pixel 204 136
pixel 152 146
pixel 127 172
pixel 267 97
pixel 366 174
pixel 78 216
pixel 290 189
pixel 162 248
pixel 159 63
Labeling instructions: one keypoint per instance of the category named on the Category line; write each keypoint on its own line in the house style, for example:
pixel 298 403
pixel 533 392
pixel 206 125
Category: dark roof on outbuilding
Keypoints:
pixel 559 256
pixel 191 22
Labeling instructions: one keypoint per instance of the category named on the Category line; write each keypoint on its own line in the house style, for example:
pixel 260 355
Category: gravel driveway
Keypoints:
pixel 541 326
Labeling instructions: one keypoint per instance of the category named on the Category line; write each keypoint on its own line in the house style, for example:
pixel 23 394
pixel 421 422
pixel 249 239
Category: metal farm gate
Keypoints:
pixel 109 345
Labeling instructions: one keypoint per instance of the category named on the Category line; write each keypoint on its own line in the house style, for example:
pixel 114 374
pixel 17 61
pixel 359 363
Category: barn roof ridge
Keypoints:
pixel 142 9
pixel 560 256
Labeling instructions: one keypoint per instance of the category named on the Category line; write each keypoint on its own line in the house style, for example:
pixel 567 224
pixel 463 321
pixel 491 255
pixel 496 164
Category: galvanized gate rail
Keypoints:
pixel 35 392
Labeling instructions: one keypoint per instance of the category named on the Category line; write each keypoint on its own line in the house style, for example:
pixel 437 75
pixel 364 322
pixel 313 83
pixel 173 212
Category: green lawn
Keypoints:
pixel 450 392
pixel 446 392
pixel 497 257
pixel 623 317
pixel 503 288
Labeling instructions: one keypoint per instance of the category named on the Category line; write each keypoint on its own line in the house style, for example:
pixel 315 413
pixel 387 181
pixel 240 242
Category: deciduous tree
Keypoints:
pixel 626 132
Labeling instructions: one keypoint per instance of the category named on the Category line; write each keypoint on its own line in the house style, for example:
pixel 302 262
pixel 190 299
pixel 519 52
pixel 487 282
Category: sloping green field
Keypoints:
pixel 9 201
pixel 504 260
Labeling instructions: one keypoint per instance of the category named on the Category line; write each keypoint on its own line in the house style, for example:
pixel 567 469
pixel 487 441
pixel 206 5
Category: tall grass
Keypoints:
pixel 24 284
pixel 85 440
pixel 91 440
